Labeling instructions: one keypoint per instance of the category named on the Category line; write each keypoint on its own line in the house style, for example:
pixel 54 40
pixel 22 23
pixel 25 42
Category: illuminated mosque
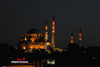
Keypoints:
pixel 33 39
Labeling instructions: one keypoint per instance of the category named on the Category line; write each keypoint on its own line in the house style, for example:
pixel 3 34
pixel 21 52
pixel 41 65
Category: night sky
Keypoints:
pixel 19 16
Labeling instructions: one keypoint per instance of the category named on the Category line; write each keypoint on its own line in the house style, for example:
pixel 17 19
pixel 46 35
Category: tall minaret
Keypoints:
pixel 80 38
pixel 71 37
pixel 53 33
pixel 46 32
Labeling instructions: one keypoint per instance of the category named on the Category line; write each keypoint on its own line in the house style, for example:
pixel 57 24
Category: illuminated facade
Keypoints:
pixel 33 39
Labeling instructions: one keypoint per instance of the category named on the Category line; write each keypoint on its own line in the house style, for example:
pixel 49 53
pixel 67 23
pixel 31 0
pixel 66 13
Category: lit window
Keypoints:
pixel 42 47
pixel 38 34
pixel 32 34
pixel 35 34
pixel 31 47
pixel 24 47
pixel 36 47
pixel 48 43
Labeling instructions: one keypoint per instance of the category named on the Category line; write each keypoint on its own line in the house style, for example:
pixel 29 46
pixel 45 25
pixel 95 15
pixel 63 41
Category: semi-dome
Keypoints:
pixel 33 31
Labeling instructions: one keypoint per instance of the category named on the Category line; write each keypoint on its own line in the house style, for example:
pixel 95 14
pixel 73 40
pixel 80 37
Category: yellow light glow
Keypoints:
pixel 46 27
pixel 48 43
pixel 31 46
pixel 25 38
pixel 71 37
pixel 53 31
pixel 36 47
pixel 80 34
pixel 24 47
pixel 33 39
pixel 35 34
pixel 41 47
pixel 71 41
pixel 53 27
pixel 80 38
pixel 46 34
pixel 49 51
pixel 32 34
pixel 53 23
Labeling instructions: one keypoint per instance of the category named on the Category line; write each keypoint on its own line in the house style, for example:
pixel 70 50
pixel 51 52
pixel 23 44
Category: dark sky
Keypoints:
pixel 19 16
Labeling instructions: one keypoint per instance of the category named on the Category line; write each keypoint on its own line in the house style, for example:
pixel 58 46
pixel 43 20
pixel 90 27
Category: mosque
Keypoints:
pixel 33 39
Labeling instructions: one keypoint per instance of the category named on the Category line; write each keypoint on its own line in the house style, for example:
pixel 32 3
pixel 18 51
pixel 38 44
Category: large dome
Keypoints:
pixel 33 31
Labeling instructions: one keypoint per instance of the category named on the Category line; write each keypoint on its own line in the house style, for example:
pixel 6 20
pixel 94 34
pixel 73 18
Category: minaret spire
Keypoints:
pixel 71 36
pixel 46 32
pixel 80 38
pixel 53 32
pixel 53 17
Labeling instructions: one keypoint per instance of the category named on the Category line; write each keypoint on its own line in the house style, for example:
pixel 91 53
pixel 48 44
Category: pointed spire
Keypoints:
pixel 46 22
pixel 80 29
pixel 53 17
pixel 72 33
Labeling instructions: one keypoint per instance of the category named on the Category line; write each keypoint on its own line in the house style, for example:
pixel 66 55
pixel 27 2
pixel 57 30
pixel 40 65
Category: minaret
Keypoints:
pixel 46 32
pixel 53 33
pixel 80 38
pixel 71 37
